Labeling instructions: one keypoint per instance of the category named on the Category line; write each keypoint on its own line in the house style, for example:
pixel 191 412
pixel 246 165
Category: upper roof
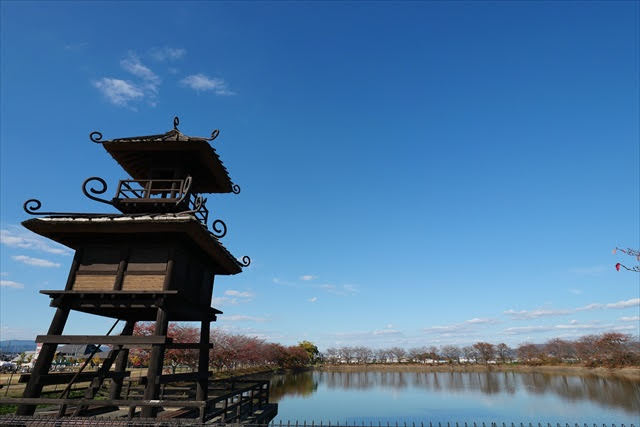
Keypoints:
pixel 138 155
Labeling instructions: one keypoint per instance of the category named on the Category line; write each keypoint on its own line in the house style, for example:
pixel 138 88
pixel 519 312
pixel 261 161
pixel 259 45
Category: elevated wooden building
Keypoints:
pixel 154 261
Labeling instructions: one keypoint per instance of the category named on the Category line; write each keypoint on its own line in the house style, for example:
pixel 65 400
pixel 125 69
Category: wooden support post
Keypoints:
pixel 155 364
pixel 203 362
pixel 42 365
pixel 121 363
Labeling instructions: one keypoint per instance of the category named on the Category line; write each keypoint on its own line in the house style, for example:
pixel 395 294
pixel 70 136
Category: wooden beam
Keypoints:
pixel 102 339
pixel 109 402
pixel 172 378
pixel 65 377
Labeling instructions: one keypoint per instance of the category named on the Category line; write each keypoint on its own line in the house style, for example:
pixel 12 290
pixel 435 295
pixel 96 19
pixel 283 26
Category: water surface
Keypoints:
pixel 414 396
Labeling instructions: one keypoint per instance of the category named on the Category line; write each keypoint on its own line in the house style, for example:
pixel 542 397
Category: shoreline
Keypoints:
pixel 630 373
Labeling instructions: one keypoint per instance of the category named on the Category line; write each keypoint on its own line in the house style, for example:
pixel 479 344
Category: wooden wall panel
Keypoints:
pixel 94 282
pixel 143 282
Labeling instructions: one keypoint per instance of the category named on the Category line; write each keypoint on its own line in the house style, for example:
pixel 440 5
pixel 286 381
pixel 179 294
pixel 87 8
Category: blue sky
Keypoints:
pixel 412 173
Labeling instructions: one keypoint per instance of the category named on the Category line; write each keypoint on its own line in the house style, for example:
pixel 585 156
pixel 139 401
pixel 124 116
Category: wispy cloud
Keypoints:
pixel 167 53
pixel 243 318
pixel 308 277
pixel 202 83
pixel 466 326
pixel 588 271
pixel 233 297
pixel 342 290
pixel 542 312
pixel 239 294
pixel 37 262
pixel 575 291
pixel 124 93
pixel 17 238
pixel 313 299
pixel 133 65
pixel 10 284
pixel 630 318
pixel 118 92
pixel 76 46
pixel 573 325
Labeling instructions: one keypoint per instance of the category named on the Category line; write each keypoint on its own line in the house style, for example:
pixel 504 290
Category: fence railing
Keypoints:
pixel 82 421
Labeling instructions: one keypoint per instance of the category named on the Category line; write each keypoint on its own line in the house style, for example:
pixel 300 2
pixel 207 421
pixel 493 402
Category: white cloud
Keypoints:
pixel 133 65
pixel 477 320
pixel 4 274
pixel 575 291
pixel 119 92
pixel 167 53
pixel 238 294
pixel 76 46
pixel 10 284
pixel 573 325
pixel 588 271
pixel 624 304
pixel 534 314
pixel 344 290
pixel 37 262
pixel 243 318
pixel 200 82
pixel 314 299
pixel 18 238
pixel 308 277
pixel 540 312
pixel 630 318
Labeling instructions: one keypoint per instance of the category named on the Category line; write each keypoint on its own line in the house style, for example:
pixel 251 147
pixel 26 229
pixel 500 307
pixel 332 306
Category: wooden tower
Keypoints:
pixel 154 261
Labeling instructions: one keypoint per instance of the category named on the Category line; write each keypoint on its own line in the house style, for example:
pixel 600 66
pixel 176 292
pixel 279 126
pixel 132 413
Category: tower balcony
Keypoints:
pixel 158 196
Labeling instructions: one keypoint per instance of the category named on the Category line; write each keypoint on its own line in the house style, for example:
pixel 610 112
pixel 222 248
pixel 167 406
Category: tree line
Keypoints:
pixel 610 349
pixel 234 351
pixel 230 351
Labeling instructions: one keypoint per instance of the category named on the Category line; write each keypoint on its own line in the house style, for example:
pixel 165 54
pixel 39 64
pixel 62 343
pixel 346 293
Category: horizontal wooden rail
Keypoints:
pixel 172 378
pixel 93 402
pixel 102 339
pixel 65 377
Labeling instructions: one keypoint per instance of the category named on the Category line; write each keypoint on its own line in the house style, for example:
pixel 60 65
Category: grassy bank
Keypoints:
pixel 630 373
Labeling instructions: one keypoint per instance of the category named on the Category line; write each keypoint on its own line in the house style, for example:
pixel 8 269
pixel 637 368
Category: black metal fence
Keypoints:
pixel 104 422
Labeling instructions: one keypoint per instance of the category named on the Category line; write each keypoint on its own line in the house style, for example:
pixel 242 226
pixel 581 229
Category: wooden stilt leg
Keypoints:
pixel 152 388
pixel 203 365
pixel 42 365
pixel 121 363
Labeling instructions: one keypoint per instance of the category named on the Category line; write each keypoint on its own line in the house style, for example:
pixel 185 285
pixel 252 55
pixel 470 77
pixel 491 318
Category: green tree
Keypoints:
pixel 311 350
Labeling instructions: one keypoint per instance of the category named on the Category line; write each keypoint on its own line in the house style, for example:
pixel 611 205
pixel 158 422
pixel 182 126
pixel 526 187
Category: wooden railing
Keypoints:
pixel 172 190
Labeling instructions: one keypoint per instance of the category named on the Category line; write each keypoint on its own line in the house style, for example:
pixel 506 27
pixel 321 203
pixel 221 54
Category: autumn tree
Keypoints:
pixel 398 353
pixel 311 350
pixel 485 350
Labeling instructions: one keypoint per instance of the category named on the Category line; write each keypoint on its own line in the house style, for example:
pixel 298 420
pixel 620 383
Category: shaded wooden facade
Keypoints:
pixel 155 261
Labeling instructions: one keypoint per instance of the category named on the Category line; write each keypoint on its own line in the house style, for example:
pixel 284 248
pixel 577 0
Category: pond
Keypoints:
pixel 417 396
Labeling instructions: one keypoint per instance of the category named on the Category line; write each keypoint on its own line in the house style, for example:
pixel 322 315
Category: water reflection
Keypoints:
pixel 606 392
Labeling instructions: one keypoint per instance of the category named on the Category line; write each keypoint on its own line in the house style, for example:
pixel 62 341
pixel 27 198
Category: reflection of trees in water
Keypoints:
pixel 292 384
pixel 617 393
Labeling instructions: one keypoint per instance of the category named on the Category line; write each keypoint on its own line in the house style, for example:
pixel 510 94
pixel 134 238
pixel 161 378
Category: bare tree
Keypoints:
pixel 398 353
pixel 485 350
pixel 363 354
pixel 382 355
pixel 470 354
pixel 503 351
pixel 451 353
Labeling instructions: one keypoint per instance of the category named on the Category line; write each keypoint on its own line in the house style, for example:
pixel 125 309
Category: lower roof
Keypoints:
pixel 72 231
